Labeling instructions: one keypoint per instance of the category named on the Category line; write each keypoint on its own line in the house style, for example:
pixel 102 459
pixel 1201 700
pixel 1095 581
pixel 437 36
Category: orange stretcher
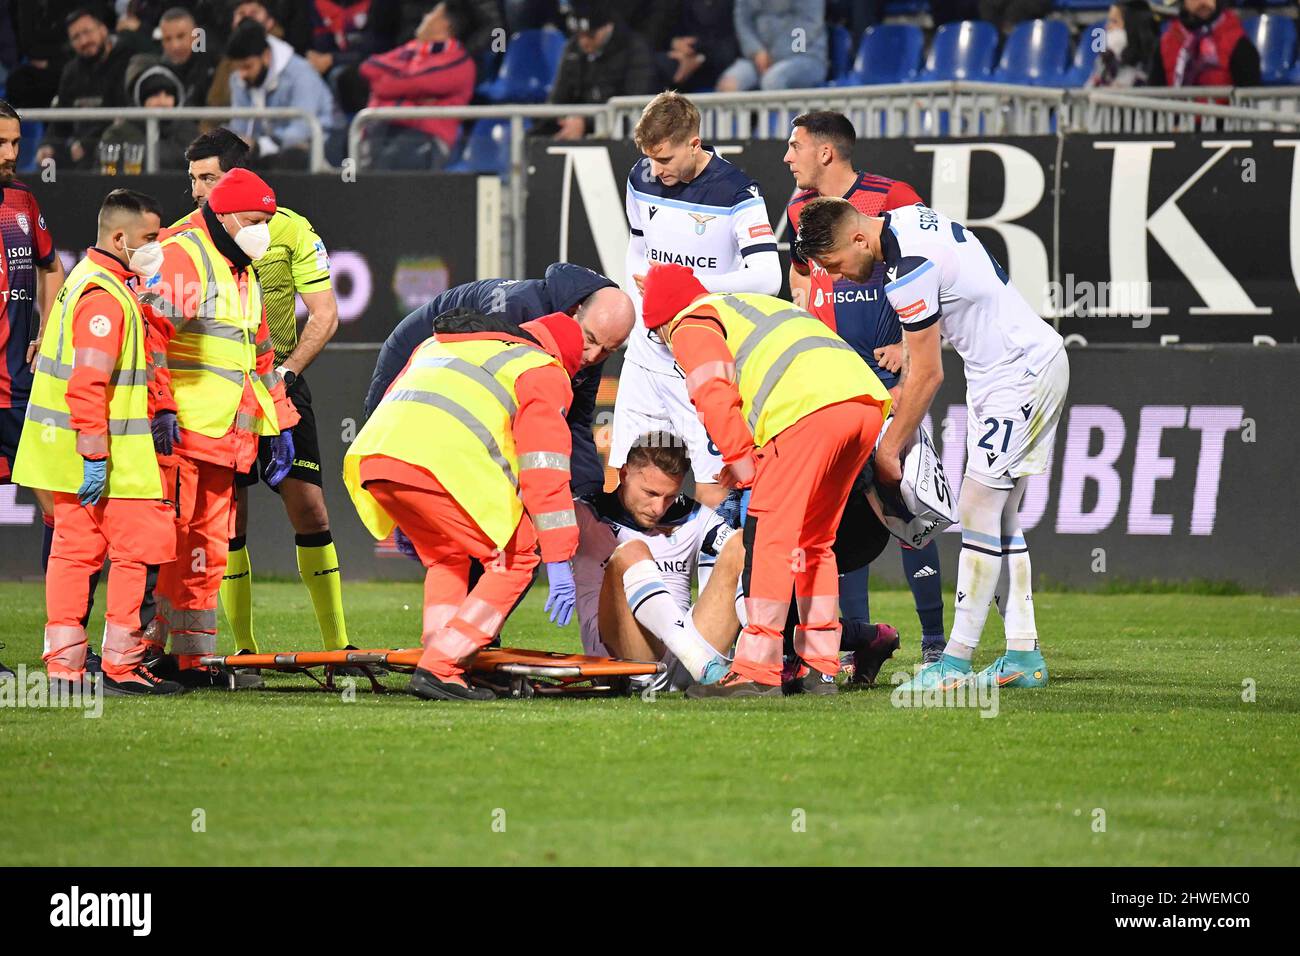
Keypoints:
pixel 514 672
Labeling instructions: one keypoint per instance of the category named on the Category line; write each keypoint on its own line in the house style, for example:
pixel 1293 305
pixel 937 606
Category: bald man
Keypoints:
pixel 602 309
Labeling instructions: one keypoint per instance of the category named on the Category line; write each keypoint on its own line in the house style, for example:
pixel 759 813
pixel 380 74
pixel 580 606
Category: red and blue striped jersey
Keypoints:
pixel 27 245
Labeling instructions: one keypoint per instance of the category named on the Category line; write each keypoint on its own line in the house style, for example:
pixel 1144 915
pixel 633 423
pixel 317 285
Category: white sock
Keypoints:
pixel 741 614
pixel 1017 577
pixel 654 608
pixel 1022 632
pixel 979 566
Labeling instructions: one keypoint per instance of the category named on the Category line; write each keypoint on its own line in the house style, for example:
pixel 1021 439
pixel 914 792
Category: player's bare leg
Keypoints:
pixel 714 612
pixel 660 623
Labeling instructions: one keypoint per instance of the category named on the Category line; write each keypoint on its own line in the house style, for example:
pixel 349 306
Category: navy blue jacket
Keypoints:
pixel 523 300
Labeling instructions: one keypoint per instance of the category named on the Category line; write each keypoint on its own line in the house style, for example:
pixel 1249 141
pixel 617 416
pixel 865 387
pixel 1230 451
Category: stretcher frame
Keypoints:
pixel 511 672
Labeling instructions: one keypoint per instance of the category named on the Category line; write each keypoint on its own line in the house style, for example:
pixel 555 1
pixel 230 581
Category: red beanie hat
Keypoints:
pixel 241 190
pixel 561 335
pixel 669 288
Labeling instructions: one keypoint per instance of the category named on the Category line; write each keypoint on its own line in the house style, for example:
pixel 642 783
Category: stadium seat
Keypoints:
pixel 1085 55
pixel 1082 4
pixel 1274 37
pixel 528 67
pixel 1035 54
pixel 888 53
pixel 962 51
pixel 487 149
pixel 841 48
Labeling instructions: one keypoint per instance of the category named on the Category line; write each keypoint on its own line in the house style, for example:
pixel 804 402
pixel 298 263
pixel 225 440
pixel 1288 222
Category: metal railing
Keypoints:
pixel 517 181
pixel 152 117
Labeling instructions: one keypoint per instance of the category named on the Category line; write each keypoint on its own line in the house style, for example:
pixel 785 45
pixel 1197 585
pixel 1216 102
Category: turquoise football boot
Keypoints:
pixel 715 670
pixel 943 674
pixel 1015 669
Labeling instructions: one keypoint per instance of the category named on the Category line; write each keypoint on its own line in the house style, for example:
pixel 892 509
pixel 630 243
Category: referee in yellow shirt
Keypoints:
pixel 296 264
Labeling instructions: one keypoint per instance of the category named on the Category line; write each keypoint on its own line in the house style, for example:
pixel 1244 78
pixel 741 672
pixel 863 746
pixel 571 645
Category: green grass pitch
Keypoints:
pixel 1142 751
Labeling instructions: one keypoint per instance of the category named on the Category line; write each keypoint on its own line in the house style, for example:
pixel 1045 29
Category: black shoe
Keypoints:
pixel 207 678
pixel 428 687
pixel 359 670
pixel 70 691
pixel 733 685
pixel 813 682
pixel 94 663
pixel 867 662
pixel 247 677
pixel 141 682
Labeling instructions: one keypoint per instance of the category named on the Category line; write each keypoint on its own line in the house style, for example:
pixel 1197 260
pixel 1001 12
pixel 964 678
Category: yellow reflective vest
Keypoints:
pixel 451 412
pixel 47 451
pixel 788 363
pixel 214 350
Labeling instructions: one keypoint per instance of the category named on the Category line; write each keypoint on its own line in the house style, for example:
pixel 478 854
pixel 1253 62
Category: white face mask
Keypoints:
pixel 254 239
pixel 146 260
pixel 1116 41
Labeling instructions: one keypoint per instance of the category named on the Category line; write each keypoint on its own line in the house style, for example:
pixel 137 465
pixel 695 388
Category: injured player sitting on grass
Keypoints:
pixel 639 547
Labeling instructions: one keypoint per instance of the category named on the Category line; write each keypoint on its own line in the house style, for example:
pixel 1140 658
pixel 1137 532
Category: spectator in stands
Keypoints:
pixel 134 30
pixel 782 46
pixel 193 67
pixel 1206 46
pixel 264 12
pixel 693 40
pixel 1130 48
pixel 342 36
pixel 603 57
pixel 434 69
pixel 1005 14
pixel 151 82
pixel 267 73
pixel 41 34
pixel 94 77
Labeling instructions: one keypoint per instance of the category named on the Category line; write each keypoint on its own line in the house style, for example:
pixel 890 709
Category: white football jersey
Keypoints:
pixel 710 224
pixel 688 539
pixel 939 271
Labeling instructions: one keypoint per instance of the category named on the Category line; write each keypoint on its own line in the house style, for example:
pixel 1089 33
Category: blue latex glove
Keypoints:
pixel 166 432
pixel 744 507
pixel 563 594
pixel 94 476
pixel 281 458
pixel 729 510
pixel 404 545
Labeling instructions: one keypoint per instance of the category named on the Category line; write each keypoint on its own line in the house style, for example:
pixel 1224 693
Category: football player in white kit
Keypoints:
pixel 687 205
pixel 639 548
pixel 941 280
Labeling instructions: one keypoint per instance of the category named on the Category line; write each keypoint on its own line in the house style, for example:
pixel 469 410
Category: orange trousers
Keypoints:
pixel 458 622
pixel 136 535
pixel 188 587
pixel 800 488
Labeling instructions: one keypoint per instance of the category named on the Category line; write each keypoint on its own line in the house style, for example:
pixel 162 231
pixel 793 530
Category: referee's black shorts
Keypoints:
pixel 306 443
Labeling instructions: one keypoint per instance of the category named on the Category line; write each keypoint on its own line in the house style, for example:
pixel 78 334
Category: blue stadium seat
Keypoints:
pixel 528 67
pixel 962 51
pixel 841 48
pixel 1082 4
pixel 1085 55
pixel 1035 54
pixel 487 149
pixel 1294 78
pixel 1274 37
pixel 888 53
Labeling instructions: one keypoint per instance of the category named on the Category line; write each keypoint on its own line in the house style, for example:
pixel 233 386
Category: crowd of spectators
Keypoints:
pixel 332 58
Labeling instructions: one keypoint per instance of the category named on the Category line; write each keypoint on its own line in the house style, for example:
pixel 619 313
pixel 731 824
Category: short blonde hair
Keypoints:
pixel 668 117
